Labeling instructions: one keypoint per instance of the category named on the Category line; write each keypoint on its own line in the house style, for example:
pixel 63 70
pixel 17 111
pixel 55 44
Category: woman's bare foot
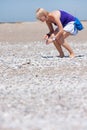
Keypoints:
pixel 72 55
pixel 61 55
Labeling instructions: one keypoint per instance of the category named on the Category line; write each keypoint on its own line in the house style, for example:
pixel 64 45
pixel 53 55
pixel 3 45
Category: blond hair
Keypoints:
pixel 41 12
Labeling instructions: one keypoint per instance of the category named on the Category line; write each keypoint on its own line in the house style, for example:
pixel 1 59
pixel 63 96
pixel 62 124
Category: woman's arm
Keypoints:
pixel 50 26
pixel 56 18
pixel 51 30
pixel 60 32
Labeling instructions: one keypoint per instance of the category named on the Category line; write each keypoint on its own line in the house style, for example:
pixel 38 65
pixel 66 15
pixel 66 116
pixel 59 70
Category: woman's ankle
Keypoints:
pixel 72 55
pixel 61 55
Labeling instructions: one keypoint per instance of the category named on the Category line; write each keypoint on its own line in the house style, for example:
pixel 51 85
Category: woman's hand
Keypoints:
pixel 49 40
pixel 46 37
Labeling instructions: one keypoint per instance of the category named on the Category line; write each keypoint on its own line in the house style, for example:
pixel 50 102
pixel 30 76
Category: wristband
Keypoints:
pixel 54 38
pixel 48 34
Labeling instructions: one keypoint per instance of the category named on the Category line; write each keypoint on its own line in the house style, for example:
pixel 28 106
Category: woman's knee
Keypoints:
pixel 61 41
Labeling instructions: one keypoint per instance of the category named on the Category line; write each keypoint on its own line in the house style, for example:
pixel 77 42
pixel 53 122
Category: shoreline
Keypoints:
pixel 31 21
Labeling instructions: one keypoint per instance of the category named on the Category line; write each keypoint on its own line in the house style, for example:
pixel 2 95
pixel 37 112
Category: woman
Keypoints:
pixel 66 25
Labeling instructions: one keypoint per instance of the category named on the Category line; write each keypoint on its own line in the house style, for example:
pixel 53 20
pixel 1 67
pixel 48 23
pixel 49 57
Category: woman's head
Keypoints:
pixel 41 14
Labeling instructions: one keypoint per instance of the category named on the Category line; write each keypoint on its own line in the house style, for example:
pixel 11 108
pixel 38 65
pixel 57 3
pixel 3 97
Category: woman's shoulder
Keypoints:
pixel 53 14
pixel 54 11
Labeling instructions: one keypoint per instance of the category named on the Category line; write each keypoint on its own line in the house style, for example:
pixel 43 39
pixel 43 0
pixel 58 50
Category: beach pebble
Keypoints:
pixel 41 91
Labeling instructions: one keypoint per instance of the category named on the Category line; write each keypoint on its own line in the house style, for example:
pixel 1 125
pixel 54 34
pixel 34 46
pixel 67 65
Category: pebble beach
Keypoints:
pixel 38 89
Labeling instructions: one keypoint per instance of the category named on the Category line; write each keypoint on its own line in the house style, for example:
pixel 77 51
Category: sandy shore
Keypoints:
pixel 31 31
pixel 39 90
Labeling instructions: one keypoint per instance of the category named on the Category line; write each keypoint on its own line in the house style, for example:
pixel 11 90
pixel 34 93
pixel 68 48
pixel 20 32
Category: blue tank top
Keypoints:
pixel 66 17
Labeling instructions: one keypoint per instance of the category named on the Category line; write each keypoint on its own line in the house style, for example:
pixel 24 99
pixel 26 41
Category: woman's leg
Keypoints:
pixel 59 48
pixel 57 45
pixel 69 49
pixel 63 42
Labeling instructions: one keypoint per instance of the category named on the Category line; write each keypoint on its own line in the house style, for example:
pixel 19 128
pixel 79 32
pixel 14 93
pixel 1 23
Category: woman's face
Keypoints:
pixel 42 18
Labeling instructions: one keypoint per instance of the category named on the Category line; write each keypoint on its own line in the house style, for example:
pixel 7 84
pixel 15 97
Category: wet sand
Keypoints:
pixel 38 89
